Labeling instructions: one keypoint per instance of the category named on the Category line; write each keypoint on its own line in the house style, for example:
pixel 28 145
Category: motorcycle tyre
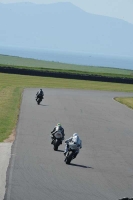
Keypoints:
pixel 56 144
pixel 69 158
pixel 39 101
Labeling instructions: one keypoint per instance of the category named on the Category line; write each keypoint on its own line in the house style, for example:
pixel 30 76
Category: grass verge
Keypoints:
pixel 11 87
pixel 126 101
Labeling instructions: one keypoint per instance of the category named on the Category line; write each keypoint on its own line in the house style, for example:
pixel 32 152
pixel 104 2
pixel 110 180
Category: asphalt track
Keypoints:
pixel 104 168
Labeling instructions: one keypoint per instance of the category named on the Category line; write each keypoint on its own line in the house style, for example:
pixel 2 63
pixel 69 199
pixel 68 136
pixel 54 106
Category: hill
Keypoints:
pixel 63 26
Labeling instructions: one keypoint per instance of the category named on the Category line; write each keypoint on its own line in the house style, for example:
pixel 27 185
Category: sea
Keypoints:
pixel 78 58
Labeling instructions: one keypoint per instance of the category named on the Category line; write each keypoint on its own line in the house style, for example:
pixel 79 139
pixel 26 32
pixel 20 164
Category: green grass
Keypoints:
pixel 11 87
pixel 9 109
pixel 126 101
pixel 39 64
pixel 69 71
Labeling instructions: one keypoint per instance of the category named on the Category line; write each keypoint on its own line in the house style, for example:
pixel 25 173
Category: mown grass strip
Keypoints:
pixel 11 87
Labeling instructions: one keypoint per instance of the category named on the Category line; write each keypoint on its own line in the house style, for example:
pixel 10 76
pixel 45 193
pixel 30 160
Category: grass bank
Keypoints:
pixel 40 65
pixel 11 87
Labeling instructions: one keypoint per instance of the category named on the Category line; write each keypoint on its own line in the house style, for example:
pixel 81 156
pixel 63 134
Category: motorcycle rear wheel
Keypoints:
pixel 56 145
pixel 69 158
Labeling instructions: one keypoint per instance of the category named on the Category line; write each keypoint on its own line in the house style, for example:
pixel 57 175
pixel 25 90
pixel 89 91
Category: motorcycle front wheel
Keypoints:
pixel 38 101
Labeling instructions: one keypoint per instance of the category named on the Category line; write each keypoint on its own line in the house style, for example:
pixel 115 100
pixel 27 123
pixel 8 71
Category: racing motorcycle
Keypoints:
pixel 72 152
pixel 39 99
pixel 57 140
pixel 126 198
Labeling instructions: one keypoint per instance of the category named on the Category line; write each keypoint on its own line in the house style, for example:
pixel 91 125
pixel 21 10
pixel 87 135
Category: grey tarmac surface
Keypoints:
pixel 5 154
pixel 103 170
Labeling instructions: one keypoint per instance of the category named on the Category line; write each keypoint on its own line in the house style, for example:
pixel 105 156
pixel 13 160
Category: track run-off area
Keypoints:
pixel 103 170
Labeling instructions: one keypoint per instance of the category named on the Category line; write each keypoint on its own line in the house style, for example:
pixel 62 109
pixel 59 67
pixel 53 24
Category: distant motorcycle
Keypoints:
pixel 72 152
pixel 57 140
pixel 39 99
pixel 126 198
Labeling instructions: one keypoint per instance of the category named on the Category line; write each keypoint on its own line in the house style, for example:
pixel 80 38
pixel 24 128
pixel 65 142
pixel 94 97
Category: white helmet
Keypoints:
pixel 75 134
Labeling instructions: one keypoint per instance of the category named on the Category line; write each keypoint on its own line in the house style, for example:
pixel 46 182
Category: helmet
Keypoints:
pixel 58 124
pixel 40 89
pixel 75 134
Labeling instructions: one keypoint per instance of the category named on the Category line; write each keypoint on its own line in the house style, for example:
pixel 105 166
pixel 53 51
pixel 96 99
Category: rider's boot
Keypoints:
pixel 52 142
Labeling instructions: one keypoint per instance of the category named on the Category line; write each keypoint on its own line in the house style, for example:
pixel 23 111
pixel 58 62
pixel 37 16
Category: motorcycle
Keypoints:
pixel 39 99
pixel 126 198
pixel 72 152
pixel 57 140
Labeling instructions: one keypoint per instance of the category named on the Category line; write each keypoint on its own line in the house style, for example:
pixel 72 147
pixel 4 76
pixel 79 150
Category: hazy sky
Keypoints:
pixel 122 9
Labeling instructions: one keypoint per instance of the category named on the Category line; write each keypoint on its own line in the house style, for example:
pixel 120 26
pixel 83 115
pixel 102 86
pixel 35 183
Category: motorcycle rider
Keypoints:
pixel 40 94
pixel 75 140
pixel 57 128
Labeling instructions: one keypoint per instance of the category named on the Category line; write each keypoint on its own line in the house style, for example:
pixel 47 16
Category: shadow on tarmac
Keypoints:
pixel 83 166
pixel 60 150
pixel 43 105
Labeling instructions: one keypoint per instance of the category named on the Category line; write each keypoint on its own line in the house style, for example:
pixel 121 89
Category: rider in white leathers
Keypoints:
pixel 76 140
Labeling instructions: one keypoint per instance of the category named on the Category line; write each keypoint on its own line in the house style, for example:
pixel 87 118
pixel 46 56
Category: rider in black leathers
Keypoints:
pixel 39 94
pixel 57 128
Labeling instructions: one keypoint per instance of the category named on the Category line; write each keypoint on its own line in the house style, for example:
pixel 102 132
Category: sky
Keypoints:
pixel 122 9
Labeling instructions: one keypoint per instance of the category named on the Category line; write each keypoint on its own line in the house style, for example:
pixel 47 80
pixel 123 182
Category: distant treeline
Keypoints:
pixel 67 75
